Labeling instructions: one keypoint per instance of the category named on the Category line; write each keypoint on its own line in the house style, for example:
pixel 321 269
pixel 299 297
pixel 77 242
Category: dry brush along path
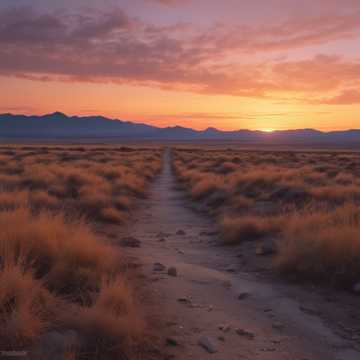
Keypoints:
pixel 211 309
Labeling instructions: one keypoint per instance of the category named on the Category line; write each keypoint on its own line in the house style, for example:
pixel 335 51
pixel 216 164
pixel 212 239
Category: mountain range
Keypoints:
pixel 61 126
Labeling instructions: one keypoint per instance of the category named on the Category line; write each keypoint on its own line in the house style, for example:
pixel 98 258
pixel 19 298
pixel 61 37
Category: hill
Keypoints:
pixel 61 126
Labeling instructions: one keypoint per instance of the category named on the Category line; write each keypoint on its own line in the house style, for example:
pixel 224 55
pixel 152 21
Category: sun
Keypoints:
pixel 268 130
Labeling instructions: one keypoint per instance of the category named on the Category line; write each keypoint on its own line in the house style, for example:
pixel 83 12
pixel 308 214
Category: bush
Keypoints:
pixel 248 228
pixel 322 245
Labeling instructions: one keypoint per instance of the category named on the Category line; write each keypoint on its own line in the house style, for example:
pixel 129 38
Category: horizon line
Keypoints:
pixel 265 131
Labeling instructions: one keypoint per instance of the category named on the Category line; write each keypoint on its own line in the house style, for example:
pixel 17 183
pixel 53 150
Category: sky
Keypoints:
pixel 229 64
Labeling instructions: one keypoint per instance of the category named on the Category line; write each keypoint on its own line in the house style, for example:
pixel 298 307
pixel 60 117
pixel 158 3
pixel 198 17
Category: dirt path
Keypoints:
pixel 209 284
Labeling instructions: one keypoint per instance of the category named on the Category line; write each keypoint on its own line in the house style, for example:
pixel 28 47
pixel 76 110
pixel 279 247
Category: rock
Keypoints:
pixel 181 232
pixel 171 341
pixel 221 338
pixel 130 242
pixel 225 328
pixel 309 310
pixel 159 267
pixel 227 284
pixel 245 333
pixel 356 288
pixel 208 344
pixel 184 300
pixel 172 271
pixel 266 247
pixel 268 349
pixel 162 235
pixel 243 295
pixel 230 268
pixel 278 325
pixel 162 240
pixel 209 233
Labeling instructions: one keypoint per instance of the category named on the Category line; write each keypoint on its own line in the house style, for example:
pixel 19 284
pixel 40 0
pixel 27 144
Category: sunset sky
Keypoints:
pixel 230 64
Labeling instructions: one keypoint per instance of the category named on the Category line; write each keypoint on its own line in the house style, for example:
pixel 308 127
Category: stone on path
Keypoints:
pixel 309 310
pixel 208 344
pixel 225 328
pixel 278 325
pixel 163 235
pixel 171 341
pixel 130 241
pixel 266 247
pixel 230 268
pixel 243 295
pixel 227 284
pixel 172 271
pixel 159 267
pixel 245 333
pixel 181 232
pixel 184 300
pixel 209 233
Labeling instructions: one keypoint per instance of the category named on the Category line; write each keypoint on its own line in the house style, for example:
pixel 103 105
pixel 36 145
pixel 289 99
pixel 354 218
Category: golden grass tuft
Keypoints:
pixel 248 228
pixel 322 245
pixel 25 305
pixel 112 323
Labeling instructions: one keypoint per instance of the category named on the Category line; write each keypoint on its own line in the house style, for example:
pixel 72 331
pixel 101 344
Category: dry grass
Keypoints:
pixel 94 182
pixel 56 274
pixel 308 201
pixel 112 324
pixel 322 245
pixel 249 228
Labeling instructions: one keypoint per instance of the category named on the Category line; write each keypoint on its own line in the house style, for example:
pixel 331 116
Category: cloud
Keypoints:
pixel 297 32
pixel 115 47
pixel 320 73
pixel 346 97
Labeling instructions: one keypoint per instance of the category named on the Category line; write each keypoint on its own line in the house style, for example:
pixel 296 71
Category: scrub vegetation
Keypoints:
pixel 60 281
pixel 303 207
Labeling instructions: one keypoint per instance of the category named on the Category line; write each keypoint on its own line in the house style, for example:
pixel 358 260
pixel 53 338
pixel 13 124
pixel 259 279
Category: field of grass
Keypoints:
pixel 301 206
pixel 60 282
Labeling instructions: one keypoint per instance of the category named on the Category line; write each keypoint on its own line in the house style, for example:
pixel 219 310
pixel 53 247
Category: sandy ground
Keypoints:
pixel 280 321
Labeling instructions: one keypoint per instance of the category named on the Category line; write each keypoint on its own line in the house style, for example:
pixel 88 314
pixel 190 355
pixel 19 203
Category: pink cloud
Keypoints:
pixel 115 47
pixel 346 97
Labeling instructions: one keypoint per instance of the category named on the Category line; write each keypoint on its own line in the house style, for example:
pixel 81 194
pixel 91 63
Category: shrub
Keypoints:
pixel 322 245
pixel 112 323
pixel 248 228
pixel 25 306
pixel 51 247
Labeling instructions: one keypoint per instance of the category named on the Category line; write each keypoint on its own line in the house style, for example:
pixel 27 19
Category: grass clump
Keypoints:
pixel 322 245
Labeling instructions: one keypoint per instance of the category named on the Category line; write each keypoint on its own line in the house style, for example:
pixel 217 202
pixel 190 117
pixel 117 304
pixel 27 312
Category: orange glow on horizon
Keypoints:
pixel 169 108
pixel 230 65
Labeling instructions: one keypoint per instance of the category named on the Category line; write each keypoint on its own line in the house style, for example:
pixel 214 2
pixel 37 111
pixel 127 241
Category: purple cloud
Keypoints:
pixel 115 47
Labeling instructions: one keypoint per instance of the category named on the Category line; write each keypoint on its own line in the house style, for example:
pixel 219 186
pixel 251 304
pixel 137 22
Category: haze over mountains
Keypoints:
pixel 61 126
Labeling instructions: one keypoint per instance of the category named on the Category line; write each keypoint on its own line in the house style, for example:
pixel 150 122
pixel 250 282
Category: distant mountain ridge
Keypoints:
pixel 59 125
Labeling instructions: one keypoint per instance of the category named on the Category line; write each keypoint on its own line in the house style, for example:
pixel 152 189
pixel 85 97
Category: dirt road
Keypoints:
pixel 269 321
